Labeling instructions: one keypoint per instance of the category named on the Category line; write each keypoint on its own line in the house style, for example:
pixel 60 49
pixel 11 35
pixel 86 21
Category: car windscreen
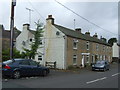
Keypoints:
pixel 8 62
pixel 100 62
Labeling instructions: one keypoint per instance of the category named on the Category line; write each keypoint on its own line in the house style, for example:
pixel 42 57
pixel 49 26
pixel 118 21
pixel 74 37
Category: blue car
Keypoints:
pixel 23 67
pixel 101 65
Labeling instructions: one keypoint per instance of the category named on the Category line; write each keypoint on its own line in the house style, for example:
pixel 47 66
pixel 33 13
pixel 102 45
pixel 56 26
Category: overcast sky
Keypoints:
pixel 103 14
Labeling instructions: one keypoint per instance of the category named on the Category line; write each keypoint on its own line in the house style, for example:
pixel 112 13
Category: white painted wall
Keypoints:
pixel 115 48
pixel 25 36
pixel 54 46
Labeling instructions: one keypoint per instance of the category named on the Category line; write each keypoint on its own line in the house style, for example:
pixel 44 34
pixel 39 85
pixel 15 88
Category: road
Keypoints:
pixel 84 78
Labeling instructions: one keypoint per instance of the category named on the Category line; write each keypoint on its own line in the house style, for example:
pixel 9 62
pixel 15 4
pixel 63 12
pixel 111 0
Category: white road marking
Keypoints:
pixel 96 80
pixel 115 74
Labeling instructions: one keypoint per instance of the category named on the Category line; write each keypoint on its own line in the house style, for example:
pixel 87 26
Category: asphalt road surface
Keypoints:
pixel 84 78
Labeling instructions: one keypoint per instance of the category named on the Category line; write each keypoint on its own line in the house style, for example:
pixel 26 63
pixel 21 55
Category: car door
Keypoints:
pixel 35 67
pixel 107 65
pixel 25 67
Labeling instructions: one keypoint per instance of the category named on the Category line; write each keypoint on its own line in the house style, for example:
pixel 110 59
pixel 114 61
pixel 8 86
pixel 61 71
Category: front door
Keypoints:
pixel 83 60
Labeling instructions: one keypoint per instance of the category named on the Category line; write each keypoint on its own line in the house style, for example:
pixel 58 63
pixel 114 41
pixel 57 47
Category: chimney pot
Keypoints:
pixel 51 19
pixel 96 36
pixel 87 33
pixel 26 26
pixel 78 30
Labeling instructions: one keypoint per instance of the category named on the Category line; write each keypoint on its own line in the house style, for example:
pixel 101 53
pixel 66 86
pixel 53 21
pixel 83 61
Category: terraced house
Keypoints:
pixel 71 47
pixel 64 46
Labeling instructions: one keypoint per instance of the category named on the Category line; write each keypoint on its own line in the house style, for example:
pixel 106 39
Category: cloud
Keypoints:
pixel 104 14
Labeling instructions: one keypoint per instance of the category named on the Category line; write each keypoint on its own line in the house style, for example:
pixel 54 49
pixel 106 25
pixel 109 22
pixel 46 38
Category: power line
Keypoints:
pixel 83 17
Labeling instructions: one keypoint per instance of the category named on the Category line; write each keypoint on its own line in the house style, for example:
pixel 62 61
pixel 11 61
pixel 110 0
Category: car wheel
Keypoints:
pixel 44 73
pixel 16 75
pixel 104 69
pixel 92 69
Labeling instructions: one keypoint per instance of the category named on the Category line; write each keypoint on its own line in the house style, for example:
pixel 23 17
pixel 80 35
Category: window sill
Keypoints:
pixel 75 48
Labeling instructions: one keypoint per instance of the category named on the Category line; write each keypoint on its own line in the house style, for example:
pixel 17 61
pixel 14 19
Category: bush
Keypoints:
pixel 6 54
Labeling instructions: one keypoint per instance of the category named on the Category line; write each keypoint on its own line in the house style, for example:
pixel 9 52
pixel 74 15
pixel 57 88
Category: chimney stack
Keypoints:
pixel 26 26
pixel 96 36
pixel 87 33
pixel 50 19
pixel 78 30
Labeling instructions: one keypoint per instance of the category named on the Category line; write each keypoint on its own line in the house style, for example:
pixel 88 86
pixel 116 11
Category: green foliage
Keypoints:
pixel 112 40
pixel 35 45
pixel 6 54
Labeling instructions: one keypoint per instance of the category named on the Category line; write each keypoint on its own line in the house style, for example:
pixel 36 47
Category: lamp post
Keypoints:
pixel 13 4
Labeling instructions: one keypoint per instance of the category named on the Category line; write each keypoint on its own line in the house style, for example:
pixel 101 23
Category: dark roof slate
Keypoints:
pixel 72 33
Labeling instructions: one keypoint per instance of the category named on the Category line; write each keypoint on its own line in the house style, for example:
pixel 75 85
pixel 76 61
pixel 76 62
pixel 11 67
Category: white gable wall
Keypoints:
pixel 54 46
pixel 23 37
pixel 115 48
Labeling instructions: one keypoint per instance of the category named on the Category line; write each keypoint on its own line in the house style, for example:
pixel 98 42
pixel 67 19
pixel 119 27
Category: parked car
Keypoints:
pixel 101 65
pixel 23 67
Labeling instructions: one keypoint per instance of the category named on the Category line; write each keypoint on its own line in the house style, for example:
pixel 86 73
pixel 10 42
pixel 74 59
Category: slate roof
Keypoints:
pixel 32 31
pixel 6 33
pixel 72 33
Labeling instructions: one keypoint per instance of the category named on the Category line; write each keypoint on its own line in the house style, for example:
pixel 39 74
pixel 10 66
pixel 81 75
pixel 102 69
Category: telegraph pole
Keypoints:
pixel 29 14
pixel 13 4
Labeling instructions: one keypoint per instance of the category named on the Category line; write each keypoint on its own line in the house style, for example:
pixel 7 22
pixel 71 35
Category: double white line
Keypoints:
pixel 96 80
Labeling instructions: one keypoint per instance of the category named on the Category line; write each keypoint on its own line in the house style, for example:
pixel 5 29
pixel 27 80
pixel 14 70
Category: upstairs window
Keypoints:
pixel 87 45
pixel 75 44
pixel 97 47
pixel 103 48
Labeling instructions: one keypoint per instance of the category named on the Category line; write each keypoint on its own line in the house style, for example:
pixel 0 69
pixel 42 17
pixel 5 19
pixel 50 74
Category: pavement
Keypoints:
pixel 83 78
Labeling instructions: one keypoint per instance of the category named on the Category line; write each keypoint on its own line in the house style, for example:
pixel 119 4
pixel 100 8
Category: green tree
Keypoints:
pixel 30 53
pixel 112 40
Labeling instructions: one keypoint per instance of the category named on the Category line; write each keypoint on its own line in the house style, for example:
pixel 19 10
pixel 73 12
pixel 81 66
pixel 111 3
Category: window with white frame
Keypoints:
pixel 74 59
pixel 75 44
pixel 87 45
pixel 97 47
pixel 40 57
